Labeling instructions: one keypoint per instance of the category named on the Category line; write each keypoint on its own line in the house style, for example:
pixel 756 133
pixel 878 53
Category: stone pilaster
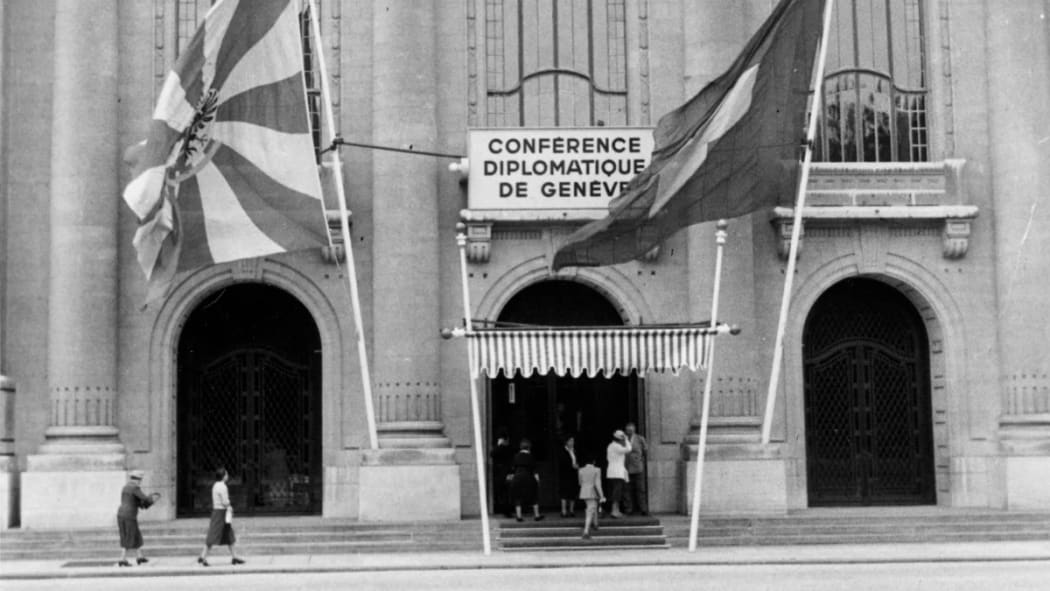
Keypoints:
pixel 405 270
pixel 76 478
pixel 405 217
pixel 1019 123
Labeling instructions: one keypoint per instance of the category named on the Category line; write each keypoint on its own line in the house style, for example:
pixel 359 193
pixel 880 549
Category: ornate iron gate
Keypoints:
pixel 868 423
pixel 255 413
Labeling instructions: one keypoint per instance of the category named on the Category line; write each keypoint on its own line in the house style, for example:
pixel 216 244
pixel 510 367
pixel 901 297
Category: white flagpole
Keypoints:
pixel 483 500
pixel 796 226
pixel 705 407
pixel 351 272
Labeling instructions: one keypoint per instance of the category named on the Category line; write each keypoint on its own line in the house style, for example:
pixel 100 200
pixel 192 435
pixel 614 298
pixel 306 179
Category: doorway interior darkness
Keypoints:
pixel 869 430
pixel 547 408
pixel 249 399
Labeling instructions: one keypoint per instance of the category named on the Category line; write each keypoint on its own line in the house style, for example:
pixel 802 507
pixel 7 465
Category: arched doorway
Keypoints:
pixel 249 399
pixel 869 432
pixel 547 408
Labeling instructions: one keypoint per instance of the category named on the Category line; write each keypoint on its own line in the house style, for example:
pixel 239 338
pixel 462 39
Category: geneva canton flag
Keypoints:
pixel 730 150
pixel 228 170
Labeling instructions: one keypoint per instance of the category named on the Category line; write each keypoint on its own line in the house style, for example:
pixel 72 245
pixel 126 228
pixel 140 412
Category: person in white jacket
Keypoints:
pixel 616 471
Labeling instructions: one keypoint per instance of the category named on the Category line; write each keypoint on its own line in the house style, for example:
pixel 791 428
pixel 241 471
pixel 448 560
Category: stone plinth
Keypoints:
pixel 72 490
pixel 737 479
pixel 409 485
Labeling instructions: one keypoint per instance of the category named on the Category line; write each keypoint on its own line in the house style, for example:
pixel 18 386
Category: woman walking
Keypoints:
pixel 524 487
pixel 220 529
pixel 131 500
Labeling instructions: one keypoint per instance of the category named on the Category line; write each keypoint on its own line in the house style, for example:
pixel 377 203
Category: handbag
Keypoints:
pixel 229 514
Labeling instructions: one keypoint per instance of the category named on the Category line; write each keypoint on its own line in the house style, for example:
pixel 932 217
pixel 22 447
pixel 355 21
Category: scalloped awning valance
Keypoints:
pixel 588 351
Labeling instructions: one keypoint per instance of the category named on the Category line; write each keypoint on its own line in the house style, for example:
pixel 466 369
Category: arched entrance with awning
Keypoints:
pixel 548 408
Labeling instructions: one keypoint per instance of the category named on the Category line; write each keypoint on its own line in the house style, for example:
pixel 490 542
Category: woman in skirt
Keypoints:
pixel 220 528
pixel 525 485
pixel 131 500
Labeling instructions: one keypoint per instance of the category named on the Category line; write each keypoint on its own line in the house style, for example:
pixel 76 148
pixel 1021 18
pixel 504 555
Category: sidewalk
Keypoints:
pixel 722 556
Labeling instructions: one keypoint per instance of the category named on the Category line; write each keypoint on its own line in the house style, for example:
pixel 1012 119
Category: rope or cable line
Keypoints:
pixel 339 141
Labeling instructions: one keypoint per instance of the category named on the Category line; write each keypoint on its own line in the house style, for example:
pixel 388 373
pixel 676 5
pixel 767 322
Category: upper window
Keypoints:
pixel 555 63
pixel 875 94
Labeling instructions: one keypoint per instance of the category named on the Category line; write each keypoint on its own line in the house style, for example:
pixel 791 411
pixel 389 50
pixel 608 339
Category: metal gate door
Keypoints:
pixel 868 426
pixel 254 413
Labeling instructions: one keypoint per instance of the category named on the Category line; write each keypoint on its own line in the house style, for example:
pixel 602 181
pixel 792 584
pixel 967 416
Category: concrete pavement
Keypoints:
pixel 164 566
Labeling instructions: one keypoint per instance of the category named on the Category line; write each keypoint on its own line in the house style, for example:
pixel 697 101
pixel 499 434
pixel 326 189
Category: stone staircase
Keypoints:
pixel 559 533
pixel 863 526
pixel 255 536
pixel 312 535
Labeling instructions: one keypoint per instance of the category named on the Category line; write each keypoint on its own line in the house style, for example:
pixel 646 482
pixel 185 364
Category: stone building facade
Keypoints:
pixel 917 351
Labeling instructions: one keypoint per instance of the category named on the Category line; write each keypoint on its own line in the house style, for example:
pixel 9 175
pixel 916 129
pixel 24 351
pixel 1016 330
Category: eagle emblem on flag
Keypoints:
pixel 228 170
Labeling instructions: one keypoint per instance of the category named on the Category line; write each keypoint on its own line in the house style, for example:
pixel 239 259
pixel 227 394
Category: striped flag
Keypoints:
pixel 730 150
pixel 228 170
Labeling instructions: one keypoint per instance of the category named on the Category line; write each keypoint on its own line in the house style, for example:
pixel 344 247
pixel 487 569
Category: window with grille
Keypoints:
pixel 875 96
pixel 190 13
pixel 559 63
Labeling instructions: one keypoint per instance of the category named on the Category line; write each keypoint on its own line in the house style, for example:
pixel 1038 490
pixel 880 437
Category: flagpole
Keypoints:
pixel 351 272
pixel 705 407
pixel 796 226
pixel 461 240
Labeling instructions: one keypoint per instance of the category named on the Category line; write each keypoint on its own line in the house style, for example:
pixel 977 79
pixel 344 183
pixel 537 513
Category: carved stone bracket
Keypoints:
pixel 956 237
pixel 783 227
pixel 479 242
pixel 336 253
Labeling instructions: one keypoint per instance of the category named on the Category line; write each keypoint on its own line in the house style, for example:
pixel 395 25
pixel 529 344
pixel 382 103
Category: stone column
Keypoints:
pixel 414 470
pixel 1019 123
pixel 76 478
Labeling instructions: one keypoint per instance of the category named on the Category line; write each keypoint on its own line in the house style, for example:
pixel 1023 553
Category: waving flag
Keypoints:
pixel 730 150
pixel 228 170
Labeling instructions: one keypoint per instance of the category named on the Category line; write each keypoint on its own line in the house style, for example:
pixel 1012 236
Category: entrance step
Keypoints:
pixel 559 533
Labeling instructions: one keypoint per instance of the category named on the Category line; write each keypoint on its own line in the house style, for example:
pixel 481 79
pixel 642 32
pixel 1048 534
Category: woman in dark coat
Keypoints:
pixel 568 477
pixel 525 485
pixel 131 500
pixel 220 528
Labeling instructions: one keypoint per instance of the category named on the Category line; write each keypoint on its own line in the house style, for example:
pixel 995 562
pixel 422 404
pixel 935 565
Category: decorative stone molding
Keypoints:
pixel 516 224
pixel 479 242
pixel 956 220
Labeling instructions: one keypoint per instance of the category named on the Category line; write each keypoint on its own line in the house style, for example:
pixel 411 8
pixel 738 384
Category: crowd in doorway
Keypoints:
pixel 516 479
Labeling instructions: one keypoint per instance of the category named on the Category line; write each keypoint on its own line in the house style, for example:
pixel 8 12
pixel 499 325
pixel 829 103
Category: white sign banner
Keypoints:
pixel 554 168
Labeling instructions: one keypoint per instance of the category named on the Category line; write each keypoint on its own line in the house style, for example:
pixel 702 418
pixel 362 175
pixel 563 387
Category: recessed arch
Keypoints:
pixel 168 325
pixel 946 330
pixel 868 417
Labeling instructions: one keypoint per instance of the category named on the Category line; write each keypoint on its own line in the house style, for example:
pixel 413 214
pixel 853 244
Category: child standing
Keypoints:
pixel 590 477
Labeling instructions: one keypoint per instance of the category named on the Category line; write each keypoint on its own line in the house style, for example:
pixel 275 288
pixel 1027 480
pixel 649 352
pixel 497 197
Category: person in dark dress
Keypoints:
pixel 568 477
pixel 220 528
pixel 131 500
pixel 524 487
pixel 502 471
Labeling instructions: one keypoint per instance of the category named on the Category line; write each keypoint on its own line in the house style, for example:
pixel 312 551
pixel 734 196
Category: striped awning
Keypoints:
pixel 584 351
